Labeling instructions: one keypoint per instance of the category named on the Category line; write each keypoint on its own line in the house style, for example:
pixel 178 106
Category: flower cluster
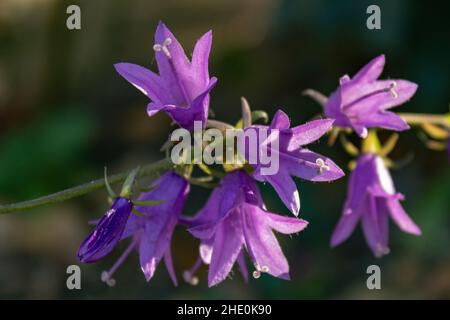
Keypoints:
pixel 234 219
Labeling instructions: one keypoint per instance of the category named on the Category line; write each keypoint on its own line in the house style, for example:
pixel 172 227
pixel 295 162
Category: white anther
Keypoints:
pixel 192 280
pixel 392 90
pixel 322 166
pixel 163 47
pixel 256 274
pixel 107 279
pixel 265 269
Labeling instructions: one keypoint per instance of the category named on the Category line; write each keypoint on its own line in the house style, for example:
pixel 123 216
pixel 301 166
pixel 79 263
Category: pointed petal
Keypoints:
pixel 371 71
pixel 228 241
pixel 309 132
pixel 206 249
pixel 261 243
pixel 143 79
pixel 280 121
pixel 286 190
pixel 169 266
pixel 344 228
pixel 200 57
pixel 401 218
pixel 303 164
pixel 375 226
pixel 283 224
pixel 243 266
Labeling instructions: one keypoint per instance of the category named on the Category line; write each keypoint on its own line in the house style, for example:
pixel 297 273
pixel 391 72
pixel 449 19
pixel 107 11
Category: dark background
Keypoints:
pixel 65 114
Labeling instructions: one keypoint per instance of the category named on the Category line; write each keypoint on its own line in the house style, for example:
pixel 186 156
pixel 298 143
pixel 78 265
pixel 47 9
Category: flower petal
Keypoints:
pixel 303 164
pixel 286 190
pixel 401 218
pixel 344 228
pixel 169 266
pixel 143 79
pixel 280 121
pixel 200 57
pixel 285 225
pixel 228 241
pixel 261 243
pixel 371 71
pixel 309 132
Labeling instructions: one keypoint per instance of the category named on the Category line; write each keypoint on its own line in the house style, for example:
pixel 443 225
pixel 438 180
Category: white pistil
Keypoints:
pixel 163 47
pixel 322 166
pixel 259 270
pixel 190 278
pixel 106 278
pixel 392 89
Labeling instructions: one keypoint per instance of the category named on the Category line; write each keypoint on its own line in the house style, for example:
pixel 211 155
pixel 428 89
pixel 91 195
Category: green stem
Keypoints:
pixel 420 118
pixel 151 170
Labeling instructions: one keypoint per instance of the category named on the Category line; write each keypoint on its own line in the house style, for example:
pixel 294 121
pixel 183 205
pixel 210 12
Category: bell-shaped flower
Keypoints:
pixel 182 87
pixel 363 101
pixel 234 219
pixel 372 199
pixel 291 156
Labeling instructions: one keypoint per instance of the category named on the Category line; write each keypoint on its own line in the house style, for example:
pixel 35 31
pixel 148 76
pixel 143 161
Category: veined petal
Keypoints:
pixel 401 218
pixel 280 121
pixel 143 79
pixel 375 226
pixel 286 190
pixel 371 71
pixel 243 266
pixel 285 225
pixel 228 241
pixel 345 227
pixel 262 245
pixel 169 266
pixel 200 57
pixel 303 164
pixel 308 132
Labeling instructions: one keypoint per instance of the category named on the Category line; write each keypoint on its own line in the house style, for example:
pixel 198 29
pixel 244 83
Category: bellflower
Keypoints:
pixel 182 87
pixel 294 159
pixel 362 102
pixel 151 230
pixel 107 233
pixel 235 218
pixel 372 199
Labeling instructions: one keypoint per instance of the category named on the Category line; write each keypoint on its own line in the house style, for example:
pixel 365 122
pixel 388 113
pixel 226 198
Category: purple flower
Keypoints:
pixel 362 102
pixel 294 160
pixel 235 218
pixel 372 199
pixel 182 87
pixel 107 233
pixel 151 232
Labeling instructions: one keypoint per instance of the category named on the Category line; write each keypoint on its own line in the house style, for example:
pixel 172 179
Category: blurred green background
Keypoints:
pixel 65 114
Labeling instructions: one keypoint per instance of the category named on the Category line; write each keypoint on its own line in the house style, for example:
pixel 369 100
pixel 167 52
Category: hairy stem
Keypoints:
pixel 151 170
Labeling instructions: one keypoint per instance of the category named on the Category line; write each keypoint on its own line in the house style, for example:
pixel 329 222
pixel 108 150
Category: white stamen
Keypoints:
pixel 256 274
pixel 265 269
pixel 259 270
pixel 189 278
pixel 322 166
pixel 107 279
pixel 381 250
pixel 163 47
pixel 392 90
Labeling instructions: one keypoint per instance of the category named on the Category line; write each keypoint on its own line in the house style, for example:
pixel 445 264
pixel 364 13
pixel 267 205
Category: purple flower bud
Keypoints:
pixel 372 199
pixel 363 101
pixel 107 233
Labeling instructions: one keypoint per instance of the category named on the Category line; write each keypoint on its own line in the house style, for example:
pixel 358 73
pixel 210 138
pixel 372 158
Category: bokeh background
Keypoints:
pixel 65 114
